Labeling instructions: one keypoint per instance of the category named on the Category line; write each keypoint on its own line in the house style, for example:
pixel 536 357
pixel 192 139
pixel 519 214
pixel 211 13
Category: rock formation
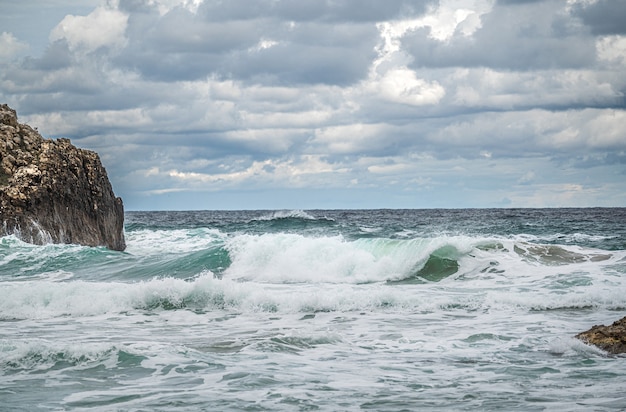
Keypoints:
pixel 609 338
pixel 51 191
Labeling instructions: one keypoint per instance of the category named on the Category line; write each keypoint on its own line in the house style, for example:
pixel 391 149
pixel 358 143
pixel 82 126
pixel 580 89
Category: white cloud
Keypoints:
pixel 164 6
pixel 390 169
pixel 444 21
pixel 455 16
pixel 582 129
pixel 102 27
pixel 512 90
pixel 302 171
pixel 221 90
pixel 263 44
pixel 390 78
pixel 606 130
pixel 57 123
pixel 401 85
pixel 352 138
pixel 10 46
pixel 309 118
pixel 612 49
pixel 531 132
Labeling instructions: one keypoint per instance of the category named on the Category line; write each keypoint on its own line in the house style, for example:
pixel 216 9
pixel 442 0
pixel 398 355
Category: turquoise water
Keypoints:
pixel 380 310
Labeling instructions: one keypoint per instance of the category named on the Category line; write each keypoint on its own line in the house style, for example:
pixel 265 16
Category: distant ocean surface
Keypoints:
pixel 342 310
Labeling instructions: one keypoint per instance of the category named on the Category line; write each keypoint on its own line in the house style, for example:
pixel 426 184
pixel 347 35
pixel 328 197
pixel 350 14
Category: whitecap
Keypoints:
pixel 286 214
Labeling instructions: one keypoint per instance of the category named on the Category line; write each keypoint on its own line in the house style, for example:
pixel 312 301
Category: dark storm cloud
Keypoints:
pixel 596 160
pixel 309 53
pixel 181 31
pixel 293 64
pixel 310 10
pixel 604 16
pixel 512 38
pixel 57 56
pixel 182 45
pixel 137 6
pixel 518 1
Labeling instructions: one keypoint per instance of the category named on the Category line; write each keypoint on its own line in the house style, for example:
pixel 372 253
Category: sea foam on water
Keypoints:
pixel 306 309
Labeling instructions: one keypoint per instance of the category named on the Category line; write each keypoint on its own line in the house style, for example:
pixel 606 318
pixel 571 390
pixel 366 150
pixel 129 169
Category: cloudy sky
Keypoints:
pixel 302 104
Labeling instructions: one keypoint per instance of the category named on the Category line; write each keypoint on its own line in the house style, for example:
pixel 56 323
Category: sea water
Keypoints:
pixel 382 310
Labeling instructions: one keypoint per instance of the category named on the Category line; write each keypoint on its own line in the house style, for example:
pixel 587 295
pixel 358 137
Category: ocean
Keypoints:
pixel 330 310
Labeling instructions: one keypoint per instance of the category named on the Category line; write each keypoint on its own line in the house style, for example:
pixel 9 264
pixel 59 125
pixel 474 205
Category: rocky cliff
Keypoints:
pixel 51 191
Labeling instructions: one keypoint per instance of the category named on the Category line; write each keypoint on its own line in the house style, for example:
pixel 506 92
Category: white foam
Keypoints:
pixel 42 353
pixel 286 214
pixel 56 276
pixel 45 299
pixel 158 242
pixel 570 346
pixel 25 258
pixel 563 238
pixel 284 257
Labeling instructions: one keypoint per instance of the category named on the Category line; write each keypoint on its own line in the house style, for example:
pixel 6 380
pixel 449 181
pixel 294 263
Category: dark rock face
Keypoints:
pixel 51 191
pixel 609 338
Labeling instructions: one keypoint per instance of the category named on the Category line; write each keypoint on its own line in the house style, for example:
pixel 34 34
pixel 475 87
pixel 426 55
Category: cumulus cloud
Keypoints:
pixel 103 27
pixel 401 85
pixel 10 46
pixel 511 37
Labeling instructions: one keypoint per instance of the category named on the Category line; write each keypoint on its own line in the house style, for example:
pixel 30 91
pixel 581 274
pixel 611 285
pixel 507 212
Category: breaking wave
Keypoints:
pixel 202 269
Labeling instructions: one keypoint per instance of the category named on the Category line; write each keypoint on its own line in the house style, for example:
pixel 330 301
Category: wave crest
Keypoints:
pixel 286 214
pixel 294 258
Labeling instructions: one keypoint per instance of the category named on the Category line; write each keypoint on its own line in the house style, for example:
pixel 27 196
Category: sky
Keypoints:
pixel 330 104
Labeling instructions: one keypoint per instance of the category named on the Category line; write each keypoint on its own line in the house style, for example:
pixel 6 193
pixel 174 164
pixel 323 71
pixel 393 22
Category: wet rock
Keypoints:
pixel 54 192
pixel 609 338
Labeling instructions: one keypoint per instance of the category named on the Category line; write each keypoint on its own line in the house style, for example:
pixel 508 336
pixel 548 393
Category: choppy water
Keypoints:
pixel 382 310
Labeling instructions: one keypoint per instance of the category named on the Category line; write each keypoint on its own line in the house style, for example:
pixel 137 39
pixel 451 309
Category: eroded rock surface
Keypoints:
pixel 51 191
pixel 609 338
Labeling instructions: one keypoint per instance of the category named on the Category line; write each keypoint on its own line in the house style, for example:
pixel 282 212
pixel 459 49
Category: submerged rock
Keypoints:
pixel 609 338
pixel 53 192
